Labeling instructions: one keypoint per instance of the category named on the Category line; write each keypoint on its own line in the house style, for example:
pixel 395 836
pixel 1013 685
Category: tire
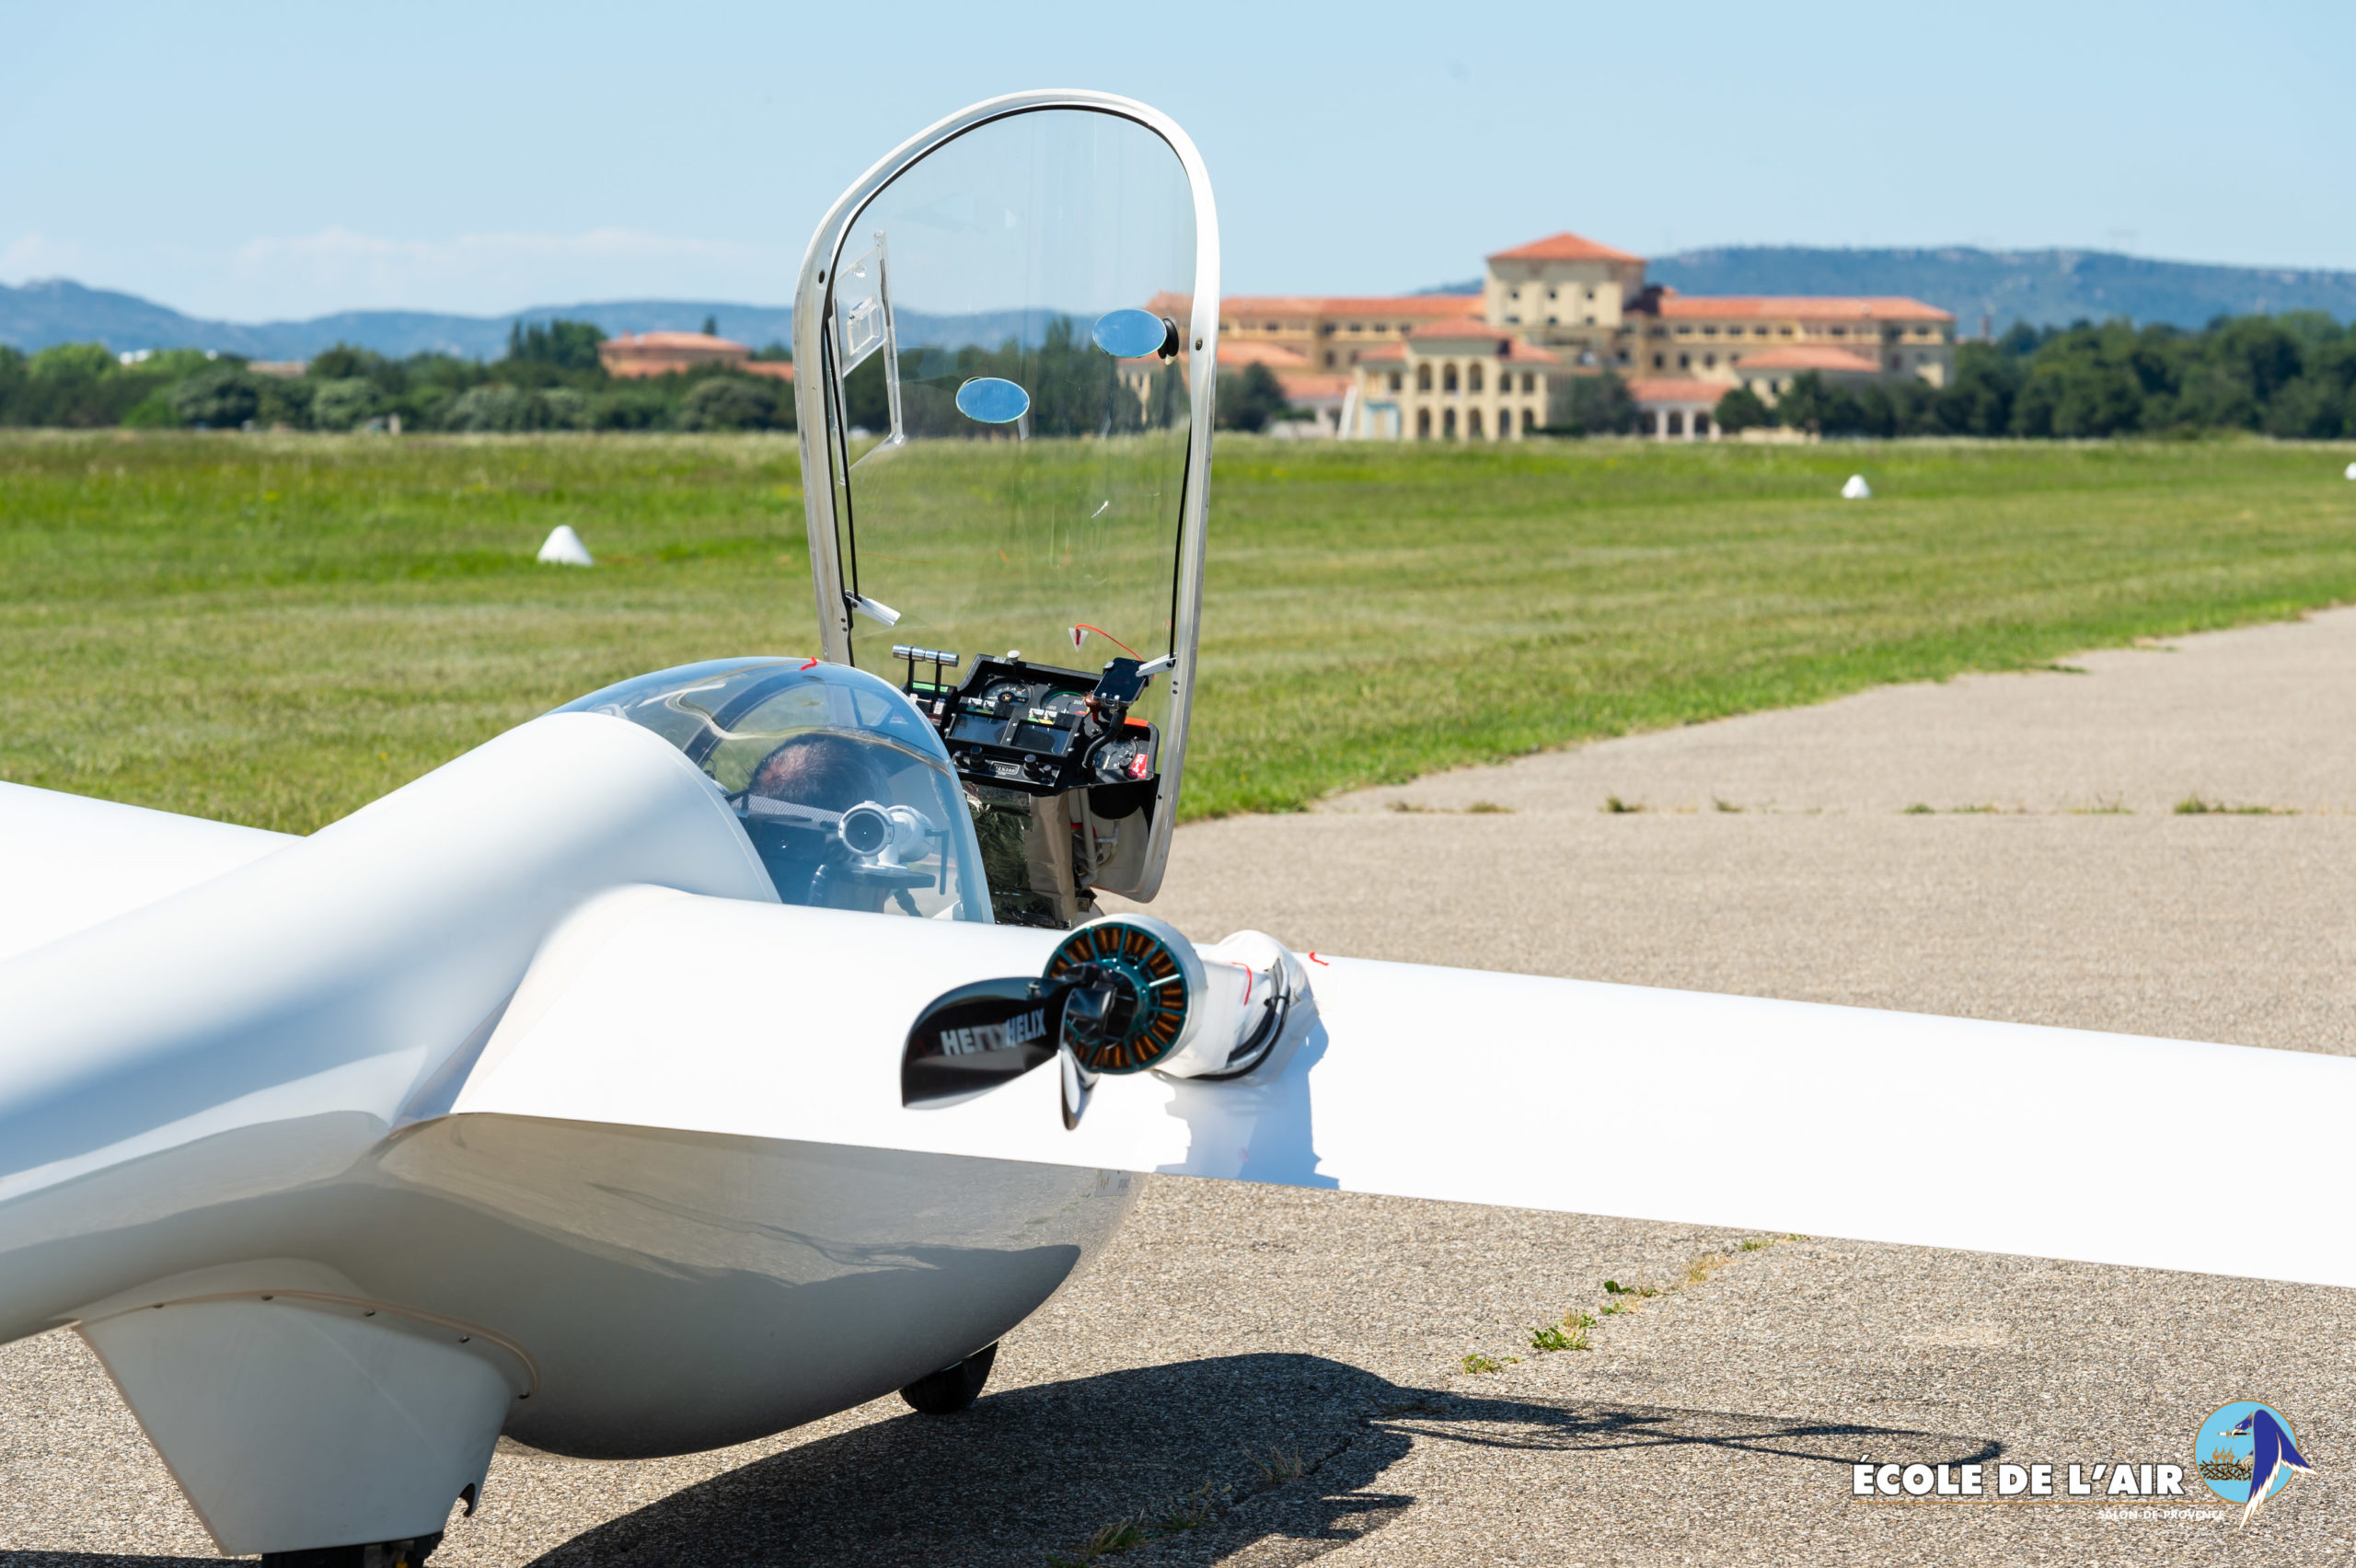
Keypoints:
pixel 389 1554
pixel 952 1389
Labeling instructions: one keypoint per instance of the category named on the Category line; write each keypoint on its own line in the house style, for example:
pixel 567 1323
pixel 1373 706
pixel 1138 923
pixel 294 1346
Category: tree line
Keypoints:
pixel 2293 376
pixel 549 378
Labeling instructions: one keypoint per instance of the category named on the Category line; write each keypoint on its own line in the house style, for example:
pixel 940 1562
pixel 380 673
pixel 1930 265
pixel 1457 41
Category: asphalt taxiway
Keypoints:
pixel 1267 1377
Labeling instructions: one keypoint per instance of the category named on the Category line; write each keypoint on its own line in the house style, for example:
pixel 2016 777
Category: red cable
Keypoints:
pixel 1111 639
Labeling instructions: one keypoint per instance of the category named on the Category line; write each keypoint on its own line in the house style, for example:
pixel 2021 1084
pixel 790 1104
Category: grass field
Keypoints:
pixel 274 629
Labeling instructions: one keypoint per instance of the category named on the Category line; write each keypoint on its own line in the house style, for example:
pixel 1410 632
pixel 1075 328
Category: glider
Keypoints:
pixel 743 1041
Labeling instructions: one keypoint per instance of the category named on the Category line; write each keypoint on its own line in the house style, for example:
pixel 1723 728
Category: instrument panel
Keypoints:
pixel 1041 730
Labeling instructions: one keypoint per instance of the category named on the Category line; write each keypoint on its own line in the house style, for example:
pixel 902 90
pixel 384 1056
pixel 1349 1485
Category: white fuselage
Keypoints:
pixel 263 1067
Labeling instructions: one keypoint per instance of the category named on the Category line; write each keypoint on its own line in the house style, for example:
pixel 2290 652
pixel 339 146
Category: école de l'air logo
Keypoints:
pixel 2245 1453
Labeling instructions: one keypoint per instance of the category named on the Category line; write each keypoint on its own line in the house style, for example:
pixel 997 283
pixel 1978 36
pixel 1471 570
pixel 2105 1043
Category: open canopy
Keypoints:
pixel 1003 371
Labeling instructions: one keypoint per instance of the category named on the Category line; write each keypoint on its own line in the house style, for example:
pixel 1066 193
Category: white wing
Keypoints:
pixel 1482 1087
pixel 73 861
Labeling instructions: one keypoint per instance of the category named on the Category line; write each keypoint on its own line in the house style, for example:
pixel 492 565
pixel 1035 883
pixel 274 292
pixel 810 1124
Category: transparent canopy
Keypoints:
pixel 844 789
pixel 1009 409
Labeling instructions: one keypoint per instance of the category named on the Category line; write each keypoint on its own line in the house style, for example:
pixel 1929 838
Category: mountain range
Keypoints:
pixel 1993 287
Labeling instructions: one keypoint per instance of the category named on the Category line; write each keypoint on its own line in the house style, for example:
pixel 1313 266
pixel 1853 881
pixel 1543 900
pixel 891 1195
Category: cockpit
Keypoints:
pixel 844 788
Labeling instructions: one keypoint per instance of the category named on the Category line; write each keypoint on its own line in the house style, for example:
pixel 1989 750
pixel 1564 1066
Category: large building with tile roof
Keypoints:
pixel 1560 307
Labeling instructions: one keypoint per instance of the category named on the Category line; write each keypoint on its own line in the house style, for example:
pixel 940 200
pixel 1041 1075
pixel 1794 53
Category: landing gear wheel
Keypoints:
pixel 384 1554
pixel 952 1389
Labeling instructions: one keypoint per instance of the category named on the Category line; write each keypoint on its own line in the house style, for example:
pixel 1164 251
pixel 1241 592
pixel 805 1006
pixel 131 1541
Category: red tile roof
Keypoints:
pixel 1303 388
pixel 703 341
pixel 1675 391
pixel 1389 353
pixel 1276 356
pixel 1810 356
pixel 1282 305
pixel 1564 246
pixel 1800 308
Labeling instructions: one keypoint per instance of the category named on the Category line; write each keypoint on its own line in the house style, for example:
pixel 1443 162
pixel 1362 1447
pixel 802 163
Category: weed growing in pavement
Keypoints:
pixel 1613 1287
pixel 1190 1512
pixel 1118 1536
pixel 2194 805
pixel 1717 804
pixel 1705 1266
pixel 1278 1468
pixel 1917 808
pixel 1476 1362
pixel 2110 805
pixel 1409 807
pixel 1487 808
pixel 1615 806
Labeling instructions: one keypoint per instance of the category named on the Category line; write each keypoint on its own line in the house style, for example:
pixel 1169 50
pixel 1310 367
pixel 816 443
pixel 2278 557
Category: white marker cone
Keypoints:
pixel 1856 488
pixel 564 548
pixel 2352 470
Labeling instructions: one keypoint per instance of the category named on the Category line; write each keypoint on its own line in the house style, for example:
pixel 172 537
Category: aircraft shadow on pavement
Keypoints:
pixel 1039 1471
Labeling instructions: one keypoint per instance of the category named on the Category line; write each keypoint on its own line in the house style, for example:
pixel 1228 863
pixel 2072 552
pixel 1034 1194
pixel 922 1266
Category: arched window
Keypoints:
pixel 1472 422
pixel 1473 382
pixel 1530 379
pixel 1644 422
pixel 1423 378
pixel 1675 422
pixel 1529 421
pixel 1396 380
pixel 1448 377
pixel 1447 423
pixel 1700 424
pixel 1423 424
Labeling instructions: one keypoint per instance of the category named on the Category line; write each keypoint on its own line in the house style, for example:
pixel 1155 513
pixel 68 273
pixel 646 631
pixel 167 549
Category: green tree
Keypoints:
pixel 729 402
pixel 1592 405
pixel 711 325
pixel 1249 400
pixel 223 396
pixel 1742 410
pixel 341 403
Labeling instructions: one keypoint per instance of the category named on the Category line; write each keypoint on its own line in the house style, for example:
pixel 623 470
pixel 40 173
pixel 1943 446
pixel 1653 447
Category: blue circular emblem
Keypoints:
pixel 2246 1447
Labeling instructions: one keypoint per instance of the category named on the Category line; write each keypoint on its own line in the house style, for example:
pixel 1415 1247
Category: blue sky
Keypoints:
pixel 262 161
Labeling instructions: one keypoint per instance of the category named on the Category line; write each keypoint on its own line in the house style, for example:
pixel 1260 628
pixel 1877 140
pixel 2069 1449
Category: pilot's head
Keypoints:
pixel 829 773
pixel 832 773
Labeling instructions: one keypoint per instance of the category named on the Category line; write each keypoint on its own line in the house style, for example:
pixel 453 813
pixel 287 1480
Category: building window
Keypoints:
pixel 1897 362
pixel 1472 423
pixel 1395 379
pixel 1660 362
pixel 1709 331
pixel 1530 381
pixel 1554 321
pixel 1448 384
pixel 1423 424
pixel 1513 320
pixel 1550 293
pixel 1447 423
pixel 1514 295
pixel 1709 361
pixel 1328 359
pixel 1675 422
pixel 1700 423
pixel 1358 326
pixel 1644 422
pixel 1840 331
pixel 1685 362
pixel 1423 378
pixel 1473 378
pixel 1529 421
pixel 1785 331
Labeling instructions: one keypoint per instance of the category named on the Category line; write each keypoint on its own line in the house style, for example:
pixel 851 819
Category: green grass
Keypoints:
pixel 274 629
